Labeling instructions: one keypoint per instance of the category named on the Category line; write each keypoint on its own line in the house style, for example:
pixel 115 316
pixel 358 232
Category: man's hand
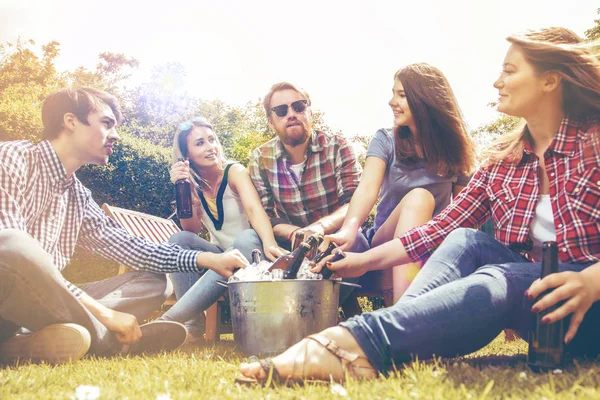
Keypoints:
pixel 125 326
pixel 574 288
pixel 315 229
pixel 351 266
pixel 223 264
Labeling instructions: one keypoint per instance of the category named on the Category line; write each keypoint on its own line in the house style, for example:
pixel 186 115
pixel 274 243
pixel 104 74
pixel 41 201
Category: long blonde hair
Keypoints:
pixel 181 150
pixel 559 50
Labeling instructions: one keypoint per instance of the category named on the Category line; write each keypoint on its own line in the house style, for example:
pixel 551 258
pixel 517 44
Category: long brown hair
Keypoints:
pixel 441 138
pixel 559 50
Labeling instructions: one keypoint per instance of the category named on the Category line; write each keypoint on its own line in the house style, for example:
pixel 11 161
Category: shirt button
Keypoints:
pixel 552 174
pixel 564 249
pixel 598 183
pixel 560 225
pixel 576 190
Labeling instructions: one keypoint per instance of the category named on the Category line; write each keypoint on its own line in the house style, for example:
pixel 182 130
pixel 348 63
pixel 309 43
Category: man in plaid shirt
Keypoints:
pixel 305 178
pixel 44 212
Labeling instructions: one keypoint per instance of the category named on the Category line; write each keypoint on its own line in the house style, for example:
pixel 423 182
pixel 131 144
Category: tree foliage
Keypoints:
pixel 594 32
pixel 26 78
pixel 111 70
pixel 484 135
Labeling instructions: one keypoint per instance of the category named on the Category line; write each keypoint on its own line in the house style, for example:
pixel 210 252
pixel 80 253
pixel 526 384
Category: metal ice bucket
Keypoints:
pixel 270 316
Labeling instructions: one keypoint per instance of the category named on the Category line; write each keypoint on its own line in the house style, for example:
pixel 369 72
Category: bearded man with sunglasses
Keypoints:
pixel 305 178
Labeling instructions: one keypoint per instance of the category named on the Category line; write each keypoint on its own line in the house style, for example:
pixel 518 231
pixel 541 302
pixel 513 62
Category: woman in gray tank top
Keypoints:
pixel 415 167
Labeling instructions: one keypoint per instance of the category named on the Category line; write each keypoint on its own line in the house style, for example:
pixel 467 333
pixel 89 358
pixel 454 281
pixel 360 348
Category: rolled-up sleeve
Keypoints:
pixel 106 237
pixel 470 209
pixel 348 172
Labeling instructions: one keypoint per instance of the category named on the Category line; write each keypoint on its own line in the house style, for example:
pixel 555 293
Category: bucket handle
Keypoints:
pixel 222 283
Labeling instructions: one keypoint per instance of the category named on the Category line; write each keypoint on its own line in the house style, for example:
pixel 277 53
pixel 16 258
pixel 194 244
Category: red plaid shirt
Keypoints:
pixel 331 175
pixel 509 194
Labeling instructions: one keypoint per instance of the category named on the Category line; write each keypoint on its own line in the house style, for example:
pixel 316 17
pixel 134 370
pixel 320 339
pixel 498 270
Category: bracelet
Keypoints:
pixel 292 235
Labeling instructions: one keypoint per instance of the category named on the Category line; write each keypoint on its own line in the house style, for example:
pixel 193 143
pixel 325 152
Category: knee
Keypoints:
pixel 19 251
pixel 247 238
pixel 418 200
pixel 14 241
pixel 159 286
pixel 466 235
pixel 184 239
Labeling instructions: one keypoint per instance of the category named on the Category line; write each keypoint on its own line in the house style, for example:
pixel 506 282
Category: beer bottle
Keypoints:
pixel 546 341
pixel 292 261
pixel 256 256
pixel 332 246
pixel 298 256
pixel 183 198
pixel 326 272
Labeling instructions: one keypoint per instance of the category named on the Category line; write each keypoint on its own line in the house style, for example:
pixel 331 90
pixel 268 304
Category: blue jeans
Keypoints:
pixel 33 293
pixel 470 289
pixel 204 292
pixel 197 292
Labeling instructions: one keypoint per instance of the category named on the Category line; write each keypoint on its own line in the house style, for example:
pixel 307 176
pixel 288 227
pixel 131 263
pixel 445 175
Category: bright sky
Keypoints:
pixel 344 53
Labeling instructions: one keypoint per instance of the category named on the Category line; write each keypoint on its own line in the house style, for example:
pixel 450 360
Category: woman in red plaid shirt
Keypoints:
pixel 540 183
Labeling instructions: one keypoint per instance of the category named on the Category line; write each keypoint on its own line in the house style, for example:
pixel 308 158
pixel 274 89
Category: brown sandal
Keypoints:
pixel 272 374
pixel 345 357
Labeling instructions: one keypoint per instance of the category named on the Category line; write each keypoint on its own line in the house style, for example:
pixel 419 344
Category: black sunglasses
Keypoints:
pixel 298 106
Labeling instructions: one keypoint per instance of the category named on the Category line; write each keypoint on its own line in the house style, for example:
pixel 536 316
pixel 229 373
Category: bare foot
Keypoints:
pixel 308 359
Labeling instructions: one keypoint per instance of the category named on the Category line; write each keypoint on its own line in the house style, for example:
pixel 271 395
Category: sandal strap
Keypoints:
pixel 333 347
pixel 267 364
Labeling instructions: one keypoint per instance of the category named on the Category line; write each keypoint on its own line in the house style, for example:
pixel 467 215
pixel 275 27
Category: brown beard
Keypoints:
pixel 296 141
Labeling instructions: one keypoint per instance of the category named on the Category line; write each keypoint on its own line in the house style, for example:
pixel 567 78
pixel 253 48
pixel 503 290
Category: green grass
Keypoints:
pixel 497 371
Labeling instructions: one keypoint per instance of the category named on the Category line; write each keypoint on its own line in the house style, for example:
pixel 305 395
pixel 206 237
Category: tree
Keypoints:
pixel 110 72
pixel 154 109
pixel 25 81
pixel 594 33
pixel 485 134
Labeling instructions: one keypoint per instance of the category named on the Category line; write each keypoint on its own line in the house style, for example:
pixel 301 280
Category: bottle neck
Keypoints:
pixel 549 259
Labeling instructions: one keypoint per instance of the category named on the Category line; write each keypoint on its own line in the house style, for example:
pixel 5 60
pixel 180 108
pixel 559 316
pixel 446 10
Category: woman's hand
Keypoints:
pixel 577 291
pixel 180 170
pixel 344 238
pixel 352 265
pixel 272 251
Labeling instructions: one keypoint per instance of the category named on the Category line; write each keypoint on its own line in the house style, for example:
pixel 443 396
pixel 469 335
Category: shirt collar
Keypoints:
pixel 565 141
pixel 53 167
pixel 316 145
